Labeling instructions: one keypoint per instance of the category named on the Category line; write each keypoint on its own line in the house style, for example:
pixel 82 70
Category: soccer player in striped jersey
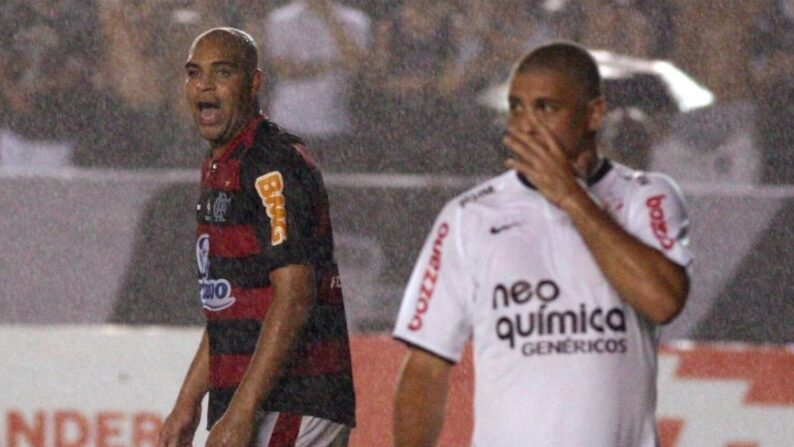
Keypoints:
pixel 275 356
pixel 559 270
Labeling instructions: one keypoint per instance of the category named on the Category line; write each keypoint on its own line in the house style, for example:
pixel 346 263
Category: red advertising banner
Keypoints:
pixel 108 386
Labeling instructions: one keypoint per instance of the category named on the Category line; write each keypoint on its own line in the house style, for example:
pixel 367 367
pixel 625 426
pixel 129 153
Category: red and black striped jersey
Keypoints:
pixel 263 205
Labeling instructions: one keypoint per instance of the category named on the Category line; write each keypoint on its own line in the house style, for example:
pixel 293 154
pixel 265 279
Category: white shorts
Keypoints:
pixel 294 430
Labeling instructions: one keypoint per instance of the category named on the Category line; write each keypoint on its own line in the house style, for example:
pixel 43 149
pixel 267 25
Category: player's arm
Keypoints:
pixel 180 425
pixel 421 399
pixel 294 293
pixel 646 279
pixel 434 321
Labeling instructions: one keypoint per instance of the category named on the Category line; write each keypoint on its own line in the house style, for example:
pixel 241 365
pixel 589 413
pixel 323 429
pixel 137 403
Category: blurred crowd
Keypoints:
pixel 388 86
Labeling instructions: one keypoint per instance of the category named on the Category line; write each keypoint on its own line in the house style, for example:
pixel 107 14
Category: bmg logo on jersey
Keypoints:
pixel 564 331
pixel 270 188
pixel 215 293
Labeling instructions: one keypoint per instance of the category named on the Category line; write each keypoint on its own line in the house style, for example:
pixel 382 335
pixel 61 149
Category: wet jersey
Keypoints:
pixel 262 206
pixel 559 359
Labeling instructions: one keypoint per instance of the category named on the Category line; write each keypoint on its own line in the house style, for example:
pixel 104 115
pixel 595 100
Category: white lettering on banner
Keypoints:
pixel 73 428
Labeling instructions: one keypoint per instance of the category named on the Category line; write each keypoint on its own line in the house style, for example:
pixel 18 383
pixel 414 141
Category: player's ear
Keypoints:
pixel 256 82
pixel 596 111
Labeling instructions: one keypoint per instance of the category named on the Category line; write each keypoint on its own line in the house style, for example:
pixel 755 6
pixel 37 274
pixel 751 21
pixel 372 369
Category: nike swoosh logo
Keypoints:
pixel 497 230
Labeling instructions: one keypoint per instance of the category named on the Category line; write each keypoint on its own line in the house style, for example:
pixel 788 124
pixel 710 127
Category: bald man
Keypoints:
pixel 275 355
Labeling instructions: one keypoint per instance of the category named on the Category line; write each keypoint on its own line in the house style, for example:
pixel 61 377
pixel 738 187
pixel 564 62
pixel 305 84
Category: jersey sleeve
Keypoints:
pixel 435 314
pixel 657 216
pixel 284 196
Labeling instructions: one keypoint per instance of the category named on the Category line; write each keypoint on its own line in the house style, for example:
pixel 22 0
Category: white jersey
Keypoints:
pixel 559 359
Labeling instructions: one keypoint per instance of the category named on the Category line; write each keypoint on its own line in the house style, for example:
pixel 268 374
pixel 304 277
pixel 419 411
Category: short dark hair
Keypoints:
pixel 239 39
pixel 564 57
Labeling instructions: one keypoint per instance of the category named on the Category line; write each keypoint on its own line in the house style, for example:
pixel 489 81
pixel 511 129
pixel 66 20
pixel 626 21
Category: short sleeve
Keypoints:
pixel 283 196
pixel 657 216
pixel 435 312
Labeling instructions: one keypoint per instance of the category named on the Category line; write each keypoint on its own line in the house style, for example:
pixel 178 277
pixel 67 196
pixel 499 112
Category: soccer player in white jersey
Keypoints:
pixel 559 270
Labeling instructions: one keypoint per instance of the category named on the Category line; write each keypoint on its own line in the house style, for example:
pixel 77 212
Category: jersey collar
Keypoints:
pixel 244 136
pixel 603 169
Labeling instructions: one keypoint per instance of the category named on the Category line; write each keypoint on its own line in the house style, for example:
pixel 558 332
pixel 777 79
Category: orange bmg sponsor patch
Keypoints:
pixel 270 188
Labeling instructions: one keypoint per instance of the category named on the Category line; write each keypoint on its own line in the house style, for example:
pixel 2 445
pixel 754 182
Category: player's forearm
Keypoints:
pixel 420 404
pixel 196 383
pixel 644 278
pixel 281 329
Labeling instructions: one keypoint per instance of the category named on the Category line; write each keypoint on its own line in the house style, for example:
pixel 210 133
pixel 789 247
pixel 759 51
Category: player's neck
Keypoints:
pixel 586 163
pixel 219 147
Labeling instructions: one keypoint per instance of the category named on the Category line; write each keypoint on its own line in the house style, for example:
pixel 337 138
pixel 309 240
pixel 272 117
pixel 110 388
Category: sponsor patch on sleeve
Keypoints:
pixel 270 188
pixel 659 221
pixel 430 278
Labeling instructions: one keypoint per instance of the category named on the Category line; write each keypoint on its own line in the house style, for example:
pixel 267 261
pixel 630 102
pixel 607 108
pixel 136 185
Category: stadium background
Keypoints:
pixel 99 319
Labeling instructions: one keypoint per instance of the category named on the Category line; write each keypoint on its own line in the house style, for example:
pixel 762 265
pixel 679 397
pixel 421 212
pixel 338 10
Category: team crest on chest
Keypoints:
pixel 220 207
pixel 215 208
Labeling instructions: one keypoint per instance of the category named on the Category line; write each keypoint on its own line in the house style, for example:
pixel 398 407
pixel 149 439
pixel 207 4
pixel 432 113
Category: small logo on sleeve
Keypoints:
pixel 476 195
pixel 429 279
pixel 270 188
pixel 659 221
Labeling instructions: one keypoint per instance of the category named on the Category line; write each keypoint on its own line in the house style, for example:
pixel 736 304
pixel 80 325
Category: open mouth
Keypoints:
pixel 207 105
pixel 209 113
